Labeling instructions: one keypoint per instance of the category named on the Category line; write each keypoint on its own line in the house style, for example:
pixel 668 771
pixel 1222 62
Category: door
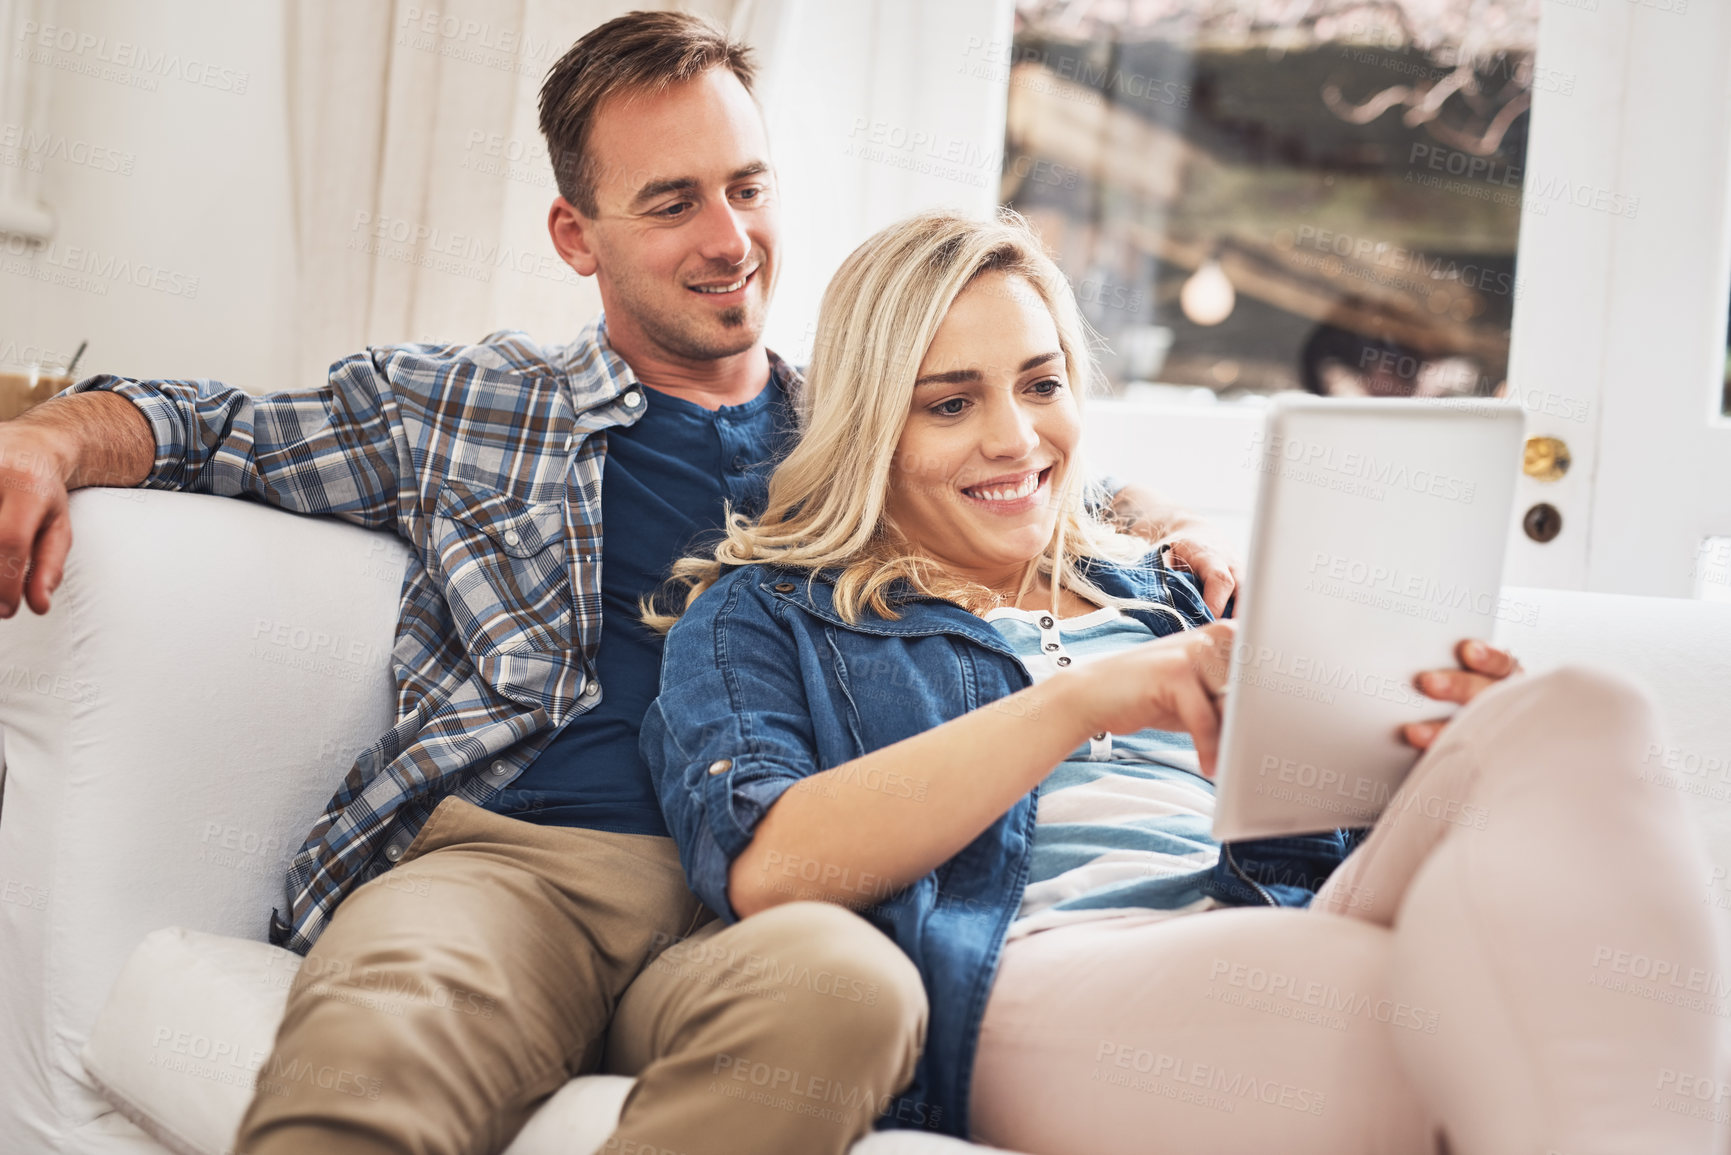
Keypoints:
pixel 1658 516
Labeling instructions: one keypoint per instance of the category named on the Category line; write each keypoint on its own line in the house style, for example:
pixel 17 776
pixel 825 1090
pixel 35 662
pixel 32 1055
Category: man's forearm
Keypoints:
pixel 1185 541
pixel 1149 516
pixel 104 438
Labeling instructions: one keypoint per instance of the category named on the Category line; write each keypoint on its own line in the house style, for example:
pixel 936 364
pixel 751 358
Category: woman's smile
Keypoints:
pixel 1011 493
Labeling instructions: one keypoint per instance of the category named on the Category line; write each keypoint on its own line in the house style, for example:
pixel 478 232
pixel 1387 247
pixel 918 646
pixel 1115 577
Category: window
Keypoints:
pixel 1328 202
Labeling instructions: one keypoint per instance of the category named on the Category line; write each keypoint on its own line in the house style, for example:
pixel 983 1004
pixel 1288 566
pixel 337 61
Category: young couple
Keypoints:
pixel 924 632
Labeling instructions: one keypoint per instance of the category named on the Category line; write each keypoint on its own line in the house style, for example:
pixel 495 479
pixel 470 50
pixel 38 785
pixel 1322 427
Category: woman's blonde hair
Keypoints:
pixel 825 510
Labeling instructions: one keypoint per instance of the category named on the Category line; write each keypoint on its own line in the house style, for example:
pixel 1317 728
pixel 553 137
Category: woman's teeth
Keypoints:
pixel 739 284
pixel 1007 492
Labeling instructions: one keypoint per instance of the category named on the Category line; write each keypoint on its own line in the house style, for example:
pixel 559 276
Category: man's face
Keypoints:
pixel 683 243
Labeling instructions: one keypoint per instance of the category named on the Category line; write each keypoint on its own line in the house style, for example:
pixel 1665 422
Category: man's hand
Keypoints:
pixel 65 443
pixel 1481 666
pixel 1189 541
pixel 1215 570
pixel 35 529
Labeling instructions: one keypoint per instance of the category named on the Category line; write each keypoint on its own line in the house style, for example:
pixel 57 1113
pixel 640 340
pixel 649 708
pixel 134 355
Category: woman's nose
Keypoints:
pixel 1010 430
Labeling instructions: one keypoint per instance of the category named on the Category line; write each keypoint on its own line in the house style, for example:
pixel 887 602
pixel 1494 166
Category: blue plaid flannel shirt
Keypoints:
pixel 485 459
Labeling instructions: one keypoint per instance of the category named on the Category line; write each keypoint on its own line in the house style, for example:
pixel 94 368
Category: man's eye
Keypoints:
pixel 951 408
pixel 750 194
pixel 673 212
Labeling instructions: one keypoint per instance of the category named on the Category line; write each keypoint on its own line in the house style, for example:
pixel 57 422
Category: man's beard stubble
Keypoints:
pixel 687 335
pixel 694 343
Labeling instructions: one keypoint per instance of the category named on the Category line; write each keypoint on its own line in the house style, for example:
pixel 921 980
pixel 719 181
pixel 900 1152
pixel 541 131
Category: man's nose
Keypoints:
pixel 724 240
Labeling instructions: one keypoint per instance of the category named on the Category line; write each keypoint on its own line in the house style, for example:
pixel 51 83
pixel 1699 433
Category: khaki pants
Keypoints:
pixel 447 999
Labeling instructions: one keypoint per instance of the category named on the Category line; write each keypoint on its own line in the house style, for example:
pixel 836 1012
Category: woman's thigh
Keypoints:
pixel 1224 1031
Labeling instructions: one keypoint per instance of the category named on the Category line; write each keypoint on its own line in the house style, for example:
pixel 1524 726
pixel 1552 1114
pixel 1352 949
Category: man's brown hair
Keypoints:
pixel 639 53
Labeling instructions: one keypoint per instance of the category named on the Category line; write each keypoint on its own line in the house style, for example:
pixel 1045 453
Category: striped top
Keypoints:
pixel 1123 821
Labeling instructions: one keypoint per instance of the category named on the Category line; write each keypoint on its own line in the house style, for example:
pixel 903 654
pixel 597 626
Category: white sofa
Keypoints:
pixel 208 671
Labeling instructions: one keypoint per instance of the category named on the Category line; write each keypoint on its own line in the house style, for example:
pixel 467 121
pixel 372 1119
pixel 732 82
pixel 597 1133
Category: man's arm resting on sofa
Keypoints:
pixel 103 438
pixel 334 451
pixel 65 443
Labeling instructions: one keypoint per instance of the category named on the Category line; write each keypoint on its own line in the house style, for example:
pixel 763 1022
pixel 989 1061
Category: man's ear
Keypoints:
pixel 572 238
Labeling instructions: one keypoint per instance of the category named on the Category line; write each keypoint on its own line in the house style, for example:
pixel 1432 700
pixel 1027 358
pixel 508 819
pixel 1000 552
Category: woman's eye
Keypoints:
pixel 951 408
pixel 1046 388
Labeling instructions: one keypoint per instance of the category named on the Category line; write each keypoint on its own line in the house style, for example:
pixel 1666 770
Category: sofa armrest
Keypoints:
pixel 1679 650
pixel 172 729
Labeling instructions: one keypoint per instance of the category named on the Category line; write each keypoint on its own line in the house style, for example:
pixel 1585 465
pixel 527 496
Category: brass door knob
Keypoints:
pixel 1545 459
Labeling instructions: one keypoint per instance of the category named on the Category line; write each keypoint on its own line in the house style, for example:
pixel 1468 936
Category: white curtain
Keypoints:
pixel 24 87
pixel 421 182
pixel 876 110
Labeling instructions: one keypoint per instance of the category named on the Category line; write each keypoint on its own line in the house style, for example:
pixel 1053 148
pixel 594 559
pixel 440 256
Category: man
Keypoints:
pixel 533 893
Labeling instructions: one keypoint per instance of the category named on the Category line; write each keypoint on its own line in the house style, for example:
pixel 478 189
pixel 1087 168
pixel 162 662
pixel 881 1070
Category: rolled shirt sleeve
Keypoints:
pixel 337 450
pixel 151 398
pixel 731 730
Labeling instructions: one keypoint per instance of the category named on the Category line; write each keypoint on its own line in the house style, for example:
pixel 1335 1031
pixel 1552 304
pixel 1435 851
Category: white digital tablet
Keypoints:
pixel 1376 546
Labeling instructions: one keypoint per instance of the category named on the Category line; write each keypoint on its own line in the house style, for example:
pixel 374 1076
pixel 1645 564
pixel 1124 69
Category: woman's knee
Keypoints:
pixel 1591 692
pixel 1573 710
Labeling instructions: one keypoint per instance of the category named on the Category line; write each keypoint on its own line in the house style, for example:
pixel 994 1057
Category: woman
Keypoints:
pixel 927 684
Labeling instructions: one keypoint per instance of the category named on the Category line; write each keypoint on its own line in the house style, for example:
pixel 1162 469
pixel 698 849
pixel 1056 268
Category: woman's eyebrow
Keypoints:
pixel 962 376
pixel 952 377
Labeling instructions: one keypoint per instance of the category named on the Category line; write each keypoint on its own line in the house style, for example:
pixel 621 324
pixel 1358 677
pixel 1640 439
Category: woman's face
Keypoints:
pixel 991 431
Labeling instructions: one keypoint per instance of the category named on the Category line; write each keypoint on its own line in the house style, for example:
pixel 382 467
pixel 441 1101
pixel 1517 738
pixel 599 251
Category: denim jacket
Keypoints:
pixel 763 683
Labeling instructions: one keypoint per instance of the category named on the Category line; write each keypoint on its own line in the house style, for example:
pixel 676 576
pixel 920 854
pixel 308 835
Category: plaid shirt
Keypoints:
pixel 486 460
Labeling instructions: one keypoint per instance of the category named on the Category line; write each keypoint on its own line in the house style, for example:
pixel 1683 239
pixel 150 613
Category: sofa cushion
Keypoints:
pixel 185 1034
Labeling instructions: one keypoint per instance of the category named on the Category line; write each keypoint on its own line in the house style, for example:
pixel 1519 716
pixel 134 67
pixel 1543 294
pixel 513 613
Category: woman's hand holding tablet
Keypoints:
pixel 1482 666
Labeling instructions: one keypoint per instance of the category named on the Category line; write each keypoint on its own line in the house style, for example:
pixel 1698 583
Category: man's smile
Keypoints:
pixel 724 288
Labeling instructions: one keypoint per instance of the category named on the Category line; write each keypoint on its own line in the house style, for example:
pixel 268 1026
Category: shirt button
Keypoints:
pixel 632 399
pixel 590 687
pixel 739 463
pixel 395 851
pixel 1100 737
pixel 1063 659
pixel 511 537
pixel 721 766
pixel 1050 646
pixel 499 770
pixel 1046 622
pixel 783 587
